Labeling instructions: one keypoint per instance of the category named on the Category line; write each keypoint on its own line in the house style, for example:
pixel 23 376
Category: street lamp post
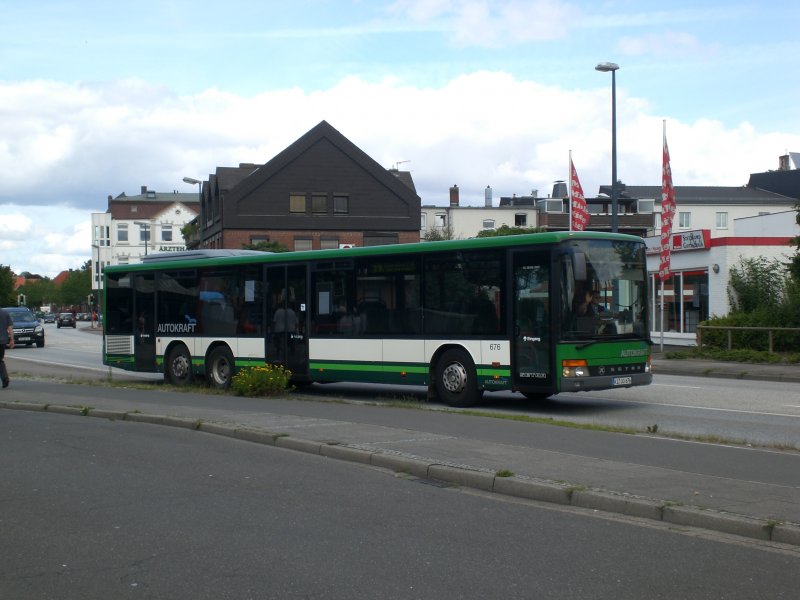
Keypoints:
pixel 146 226
pixel 96 276
pixel 605 68
pixel 199 184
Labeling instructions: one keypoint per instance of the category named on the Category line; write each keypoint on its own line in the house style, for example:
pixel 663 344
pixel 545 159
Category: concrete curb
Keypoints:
pixel 520 487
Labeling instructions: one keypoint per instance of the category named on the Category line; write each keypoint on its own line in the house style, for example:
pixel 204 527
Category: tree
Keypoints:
pixel 794 265
pixel 265 247
pixel 7 287
pixel 506 230
pixel 39 292
pixel 438 234
pixel 76 287
pixel 190 230
pixel 757 284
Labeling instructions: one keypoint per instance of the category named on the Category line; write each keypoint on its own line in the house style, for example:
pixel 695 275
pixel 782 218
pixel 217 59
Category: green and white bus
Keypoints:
pixel 539 314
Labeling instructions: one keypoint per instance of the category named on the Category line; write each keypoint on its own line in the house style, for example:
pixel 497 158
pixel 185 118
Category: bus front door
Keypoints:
pixel 144 329
pixel 287 340
pixel 532 358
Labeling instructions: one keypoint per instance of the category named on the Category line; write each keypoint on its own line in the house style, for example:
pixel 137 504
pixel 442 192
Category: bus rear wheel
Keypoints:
pixel 220 367
pixel 456 379
pixel 178 369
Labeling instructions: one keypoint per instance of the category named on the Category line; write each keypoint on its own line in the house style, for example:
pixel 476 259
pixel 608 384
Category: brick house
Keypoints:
pixel 321 192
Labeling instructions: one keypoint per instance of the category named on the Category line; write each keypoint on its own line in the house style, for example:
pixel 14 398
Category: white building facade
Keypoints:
pixel 134 226
pixel 467 221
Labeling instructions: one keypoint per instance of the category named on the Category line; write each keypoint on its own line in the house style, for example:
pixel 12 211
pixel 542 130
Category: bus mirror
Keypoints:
pixel 578 265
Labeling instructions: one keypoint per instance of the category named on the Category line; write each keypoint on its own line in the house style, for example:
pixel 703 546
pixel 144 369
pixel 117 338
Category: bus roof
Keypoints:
pixel 212 257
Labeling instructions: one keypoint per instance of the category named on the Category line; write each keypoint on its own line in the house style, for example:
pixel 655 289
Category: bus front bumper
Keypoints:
pixel 604 382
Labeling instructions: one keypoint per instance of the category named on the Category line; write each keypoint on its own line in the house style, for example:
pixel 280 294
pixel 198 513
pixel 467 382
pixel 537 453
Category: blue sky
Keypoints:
pixel 100 98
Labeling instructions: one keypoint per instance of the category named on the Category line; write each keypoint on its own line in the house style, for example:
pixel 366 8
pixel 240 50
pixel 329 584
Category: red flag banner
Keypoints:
pixel 580 216
pixel 667 214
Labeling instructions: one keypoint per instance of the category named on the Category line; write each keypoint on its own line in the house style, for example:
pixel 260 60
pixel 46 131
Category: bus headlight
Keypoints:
pixel 574 368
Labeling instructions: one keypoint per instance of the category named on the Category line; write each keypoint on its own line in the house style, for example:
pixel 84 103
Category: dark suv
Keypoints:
pixel 66 320
pixel 27 328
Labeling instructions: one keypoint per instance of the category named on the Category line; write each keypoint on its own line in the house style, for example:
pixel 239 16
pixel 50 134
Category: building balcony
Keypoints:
pixel 633 223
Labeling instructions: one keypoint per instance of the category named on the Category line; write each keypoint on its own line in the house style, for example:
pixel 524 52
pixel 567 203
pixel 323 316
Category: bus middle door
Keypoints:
pixel 144 324
pixel 287 339
pixel 531 363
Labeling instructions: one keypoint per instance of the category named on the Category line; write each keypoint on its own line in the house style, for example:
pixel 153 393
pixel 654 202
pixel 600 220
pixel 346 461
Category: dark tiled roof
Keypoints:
pixel 145 209
pixel 701 194
pixel 405 177
pixel 324 130
pixel 780 182
pixel 228 177
pixel 153 196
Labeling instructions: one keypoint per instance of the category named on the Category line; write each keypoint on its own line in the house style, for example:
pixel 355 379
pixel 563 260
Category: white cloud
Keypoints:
pixel 671 45
pixel 493 23
pixel 15 226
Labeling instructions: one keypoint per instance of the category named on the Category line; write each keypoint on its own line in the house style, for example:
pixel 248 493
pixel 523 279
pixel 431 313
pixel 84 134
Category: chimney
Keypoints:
pixel 488 197
pixel 144 190
pixel 560 189
pixel 783 163
pixel 454 195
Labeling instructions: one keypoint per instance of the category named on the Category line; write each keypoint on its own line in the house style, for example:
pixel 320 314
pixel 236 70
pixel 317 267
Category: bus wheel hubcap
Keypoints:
pixel 222 371
pixel 180 366
pixel 454 378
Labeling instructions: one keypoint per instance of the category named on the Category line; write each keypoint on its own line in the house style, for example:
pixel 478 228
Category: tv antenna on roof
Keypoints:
pixel 398 163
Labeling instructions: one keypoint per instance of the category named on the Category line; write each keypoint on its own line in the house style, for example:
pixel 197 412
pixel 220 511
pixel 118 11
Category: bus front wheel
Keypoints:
pixel 456 379
pixel 178 369
pixel 219 367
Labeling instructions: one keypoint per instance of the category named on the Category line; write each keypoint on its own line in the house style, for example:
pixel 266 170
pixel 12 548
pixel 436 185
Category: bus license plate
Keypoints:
pixel 621 381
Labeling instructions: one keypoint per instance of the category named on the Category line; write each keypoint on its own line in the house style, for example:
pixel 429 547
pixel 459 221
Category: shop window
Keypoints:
pixel 329 243
pixel 302 244
pixel 380 239
pixel 685 301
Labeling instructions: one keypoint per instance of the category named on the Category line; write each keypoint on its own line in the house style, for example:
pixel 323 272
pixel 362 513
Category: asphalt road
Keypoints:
pixel 96 509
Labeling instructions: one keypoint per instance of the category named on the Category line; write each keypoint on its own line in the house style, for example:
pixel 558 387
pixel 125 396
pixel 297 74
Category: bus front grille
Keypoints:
pixel 119 344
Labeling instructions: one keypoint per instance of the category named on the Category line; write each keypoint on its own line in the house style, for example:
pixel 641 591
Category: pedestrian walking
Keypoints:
pixel 6 339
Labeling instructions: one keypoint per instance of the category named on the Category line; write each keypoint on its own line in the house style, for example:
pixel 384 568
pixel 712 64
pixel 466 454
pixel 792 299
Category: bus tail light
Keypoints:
pixel 574 368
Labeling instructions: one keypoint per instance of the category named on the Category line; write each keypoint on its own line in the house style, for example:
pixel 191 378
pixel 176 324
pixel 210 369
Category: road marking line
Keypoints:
pixel 688 387
pixel 730 410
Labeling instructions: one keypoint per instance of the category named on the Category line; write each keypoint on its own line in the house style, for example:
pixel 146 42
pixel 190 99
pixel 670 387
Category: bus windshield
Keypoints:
pixel 604 285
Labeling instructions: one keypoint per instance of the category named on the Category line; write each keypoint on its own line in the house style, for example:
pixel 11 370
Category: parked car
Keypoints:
pixel 27 328
pixel 49 317
pixel 66 320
